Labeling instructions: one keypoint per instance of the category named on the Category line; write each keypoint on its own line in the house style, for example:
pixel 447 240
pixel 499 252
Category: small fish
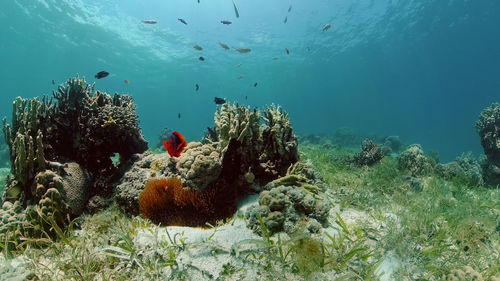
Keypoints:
pixel 53 83
pixel 197 87
pixel 236 10
pixel 243 50
pixel 126 81
pixel 246 97
pixel 255 85
pixel 219 100
pixel 179 115
pixel 326 27
pixel 201 58
pixel 290 9
pixel 198 1
pixel 286 19
pixel 101 74
pixel 224 46
pixel 240 77
pixel 226 22
pixel 183 21
pixel 199 48
pixel 149 21
pixel 239 64
pixel 287 51
pixel 274 58
pixel 175 144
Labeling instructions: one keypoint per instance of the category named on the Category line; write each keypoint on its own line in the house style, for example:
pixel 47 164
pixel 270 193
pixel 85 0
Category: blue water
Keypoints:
pixel 422 70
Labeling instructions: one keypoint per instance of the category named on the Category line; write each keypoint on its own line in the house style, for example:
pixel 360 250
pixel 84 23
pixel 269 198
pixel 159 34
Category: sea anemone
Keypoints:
pixel 167 202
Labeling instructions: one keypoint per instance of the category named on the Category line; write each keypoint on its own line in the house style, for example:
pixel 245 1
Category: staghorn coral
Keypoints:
pixel 167 202
pixel 414 160
pixel 488 128
pixel 370 153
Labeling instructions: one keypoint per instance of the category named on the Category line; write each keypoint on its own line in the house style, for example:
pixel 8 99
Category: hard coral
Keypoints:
pixel 488 128
pixel 370 153
pixel 414 160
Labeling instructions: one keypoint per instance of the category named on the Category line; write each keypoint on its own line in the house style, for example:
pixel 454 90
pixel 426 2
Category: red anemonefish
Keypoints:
pixel 175 144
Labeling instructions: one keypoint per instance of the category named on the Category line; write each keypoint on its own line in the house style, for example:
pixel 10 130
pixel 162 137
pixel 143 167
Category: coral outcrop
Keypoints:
pixel 488 128
pixel 243 153
pixel 370 153
pixel 465 168
pixel 61 149
pixel 291 203
pixel 413 160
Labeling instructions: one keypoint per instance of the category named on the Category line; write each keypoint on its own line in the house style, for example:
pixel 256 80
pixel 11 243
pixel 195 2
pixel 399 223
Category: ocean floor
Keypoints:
pixel 384 224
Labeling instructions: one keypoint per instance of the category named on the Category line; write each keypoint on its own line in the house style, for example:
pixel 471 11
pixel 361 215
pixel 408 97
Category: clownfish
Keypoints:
pixel 175 144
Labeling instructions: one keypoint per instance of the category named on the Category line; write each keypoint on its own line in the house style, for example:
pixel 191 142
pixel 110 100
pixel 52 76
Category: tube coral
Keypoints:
pixel 167 202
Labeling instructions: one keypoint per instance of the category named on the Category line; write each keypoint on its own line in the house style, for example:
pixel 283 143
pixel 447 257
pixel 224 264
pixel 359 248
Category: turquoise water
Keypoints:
pixel 422 70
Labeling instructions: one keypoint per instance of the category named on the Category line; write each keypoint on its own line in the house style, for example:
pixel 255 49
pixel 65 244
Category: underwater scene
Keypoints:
pixel 250 140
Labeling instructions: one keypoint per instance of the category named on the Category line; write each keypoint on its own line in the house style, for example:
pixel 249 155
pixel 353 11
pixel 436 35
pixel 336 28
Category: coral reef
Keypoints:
pixel 488 128
pixel 346 137
pixel 243 154
pixel 61 149
pixel 465 168
pixel 413 160
pixel 370 153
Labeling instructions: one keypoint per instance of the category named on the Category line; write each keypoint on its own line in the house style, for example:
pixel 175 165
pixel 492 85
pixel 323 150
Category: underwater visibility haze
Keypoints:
pixel 250 140
pixel 422 70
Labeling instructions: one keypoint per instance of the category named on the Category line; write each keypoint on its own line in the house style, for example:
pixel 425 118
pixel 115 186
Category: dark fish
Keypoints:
pixel 219 100
pixel 198 1
pixel 243 50
pixel 290 9
pixel 286 19
pixel 197 87
pixel 149 21
pixel 179 115
pixel 226 22
pixel 287 51
pixel 53 83
pixel 197 47
pixel 201 58
pixel 126 81
pixel 226 47
pixel 183 21
pixel 236 10
pixel 255 85
pixel 274 58
pixel 101 74
pixel 326 27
